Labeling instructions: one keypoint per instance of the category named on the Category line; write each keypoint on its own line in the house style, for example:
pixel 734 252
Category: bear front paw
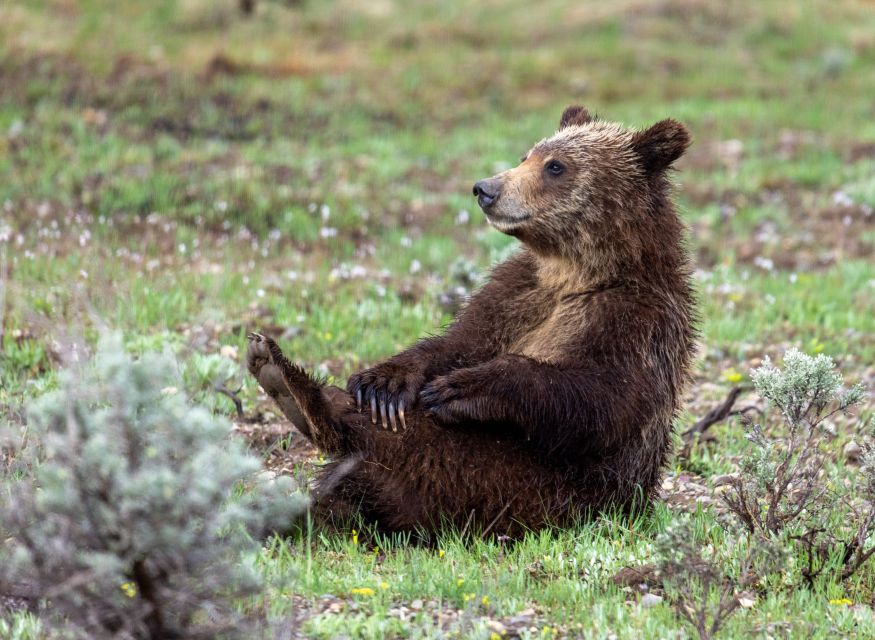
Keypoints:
pixel 387 391
pixel 446 400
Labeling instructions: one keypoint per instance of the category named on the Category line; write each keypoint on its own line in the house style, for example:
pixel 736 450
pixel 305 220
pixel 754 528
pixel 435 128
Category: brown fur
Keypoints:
pixel 553 392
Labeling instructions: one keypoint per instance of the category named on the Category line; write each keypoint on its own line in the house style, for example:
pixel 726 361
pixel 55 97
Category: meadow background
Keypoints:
pixel 183 173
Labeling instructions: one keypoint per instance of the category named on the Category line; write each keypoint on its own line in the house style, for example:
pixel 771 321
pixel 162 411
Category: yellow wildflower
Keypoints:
pixel 841 601
pixel 732 375
pixel 460 582
pixel 384 585
pixel 355 536
pixel 328 335
pixel 485 601
pixel 129 589
pixel 440 553
pixel 362 591
pixel 468 597
pixel 494 636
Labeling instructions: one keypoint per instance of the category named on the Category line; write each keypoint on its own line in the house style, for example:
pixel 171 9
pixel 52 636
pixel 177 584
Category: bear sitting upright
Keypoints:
pixel 552 394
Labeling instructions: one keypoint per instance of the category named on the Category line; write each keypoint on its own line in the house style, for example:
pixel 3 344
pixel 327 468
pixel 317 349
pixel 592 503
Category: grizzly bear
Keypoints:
pixel 552 394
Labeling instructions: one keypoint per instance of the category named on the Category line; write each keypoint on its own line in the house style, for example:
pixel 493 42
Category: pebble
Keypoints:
pixel 496 627
pixel 649 600
pixel 229 351
pixel 852 452
pixel 747 600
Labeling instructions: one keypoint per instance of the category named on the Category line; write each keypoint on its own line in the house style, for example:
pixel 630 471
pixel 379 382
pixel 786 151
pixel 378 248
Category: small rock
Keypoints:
pixel 416 605
pixel 746 600
pixel 229 351
pixel 853 452
pixel 649 600
pixel 266 476
pixel 290 332
pixel 497 627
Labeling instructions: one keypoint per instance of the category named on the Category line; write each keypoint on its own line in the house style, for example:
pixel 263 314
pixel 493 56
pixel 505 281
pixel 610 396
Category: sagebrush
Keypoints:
pixel 139 515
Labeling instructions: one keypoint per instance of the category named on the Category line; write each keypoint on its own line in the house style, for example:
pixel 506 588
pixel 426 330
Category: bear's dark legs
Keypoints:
pixel 411 480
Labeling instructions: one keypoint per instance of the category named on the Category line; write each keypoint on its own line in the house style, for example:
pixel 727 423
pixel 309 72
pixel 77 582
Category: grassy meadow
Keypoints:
pixel 182 173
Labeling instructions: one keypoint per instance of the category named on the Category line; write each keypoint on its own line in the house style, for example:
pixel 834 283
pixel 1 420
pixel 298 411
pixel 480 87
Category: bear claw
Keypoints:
pixel 401 414
pixel 392 419
pixel 383 413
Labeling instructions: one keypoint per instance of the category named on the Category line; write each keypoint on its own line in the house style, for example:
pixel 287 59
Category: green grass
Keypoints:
pixel 322 186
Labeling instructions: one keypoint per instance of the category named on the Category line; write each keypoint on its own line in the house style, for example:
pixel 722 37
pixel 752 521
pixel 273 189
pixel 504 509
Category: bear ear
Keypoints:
pixel 574 115
pixel 661 144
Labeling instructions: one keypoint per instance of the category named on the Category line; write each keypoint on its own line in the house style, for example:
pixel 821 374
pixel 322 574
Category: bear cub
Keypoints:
pixel 551 396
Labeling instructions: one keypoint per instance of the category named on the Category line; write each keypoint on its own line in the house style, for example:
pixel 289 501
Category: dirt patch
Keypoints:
pixel 805 234
pixel 452 621
pixel 284 449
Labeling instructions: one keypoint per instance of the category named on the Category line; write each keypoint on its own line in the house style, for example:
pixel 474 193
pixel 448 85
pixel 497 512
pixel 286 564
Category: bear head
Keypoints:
pixel 591 179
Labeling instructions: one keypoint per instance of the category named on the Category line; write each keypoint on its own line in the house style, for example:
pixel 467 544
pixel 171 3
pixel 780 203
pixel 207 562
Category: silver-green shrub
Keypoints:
pixel 142 515
pixel 788 484
pixel 790 504
pixel 782 475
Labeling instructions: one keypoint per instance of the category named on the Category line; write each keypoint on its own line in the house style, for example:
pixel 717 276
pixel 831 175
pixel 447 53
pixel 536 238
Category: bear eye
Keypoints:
pixel 554 168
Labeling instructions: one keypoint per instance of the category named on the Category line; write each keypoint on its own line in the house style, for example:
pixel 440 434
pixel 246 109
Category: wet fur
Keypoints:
pixel 552 394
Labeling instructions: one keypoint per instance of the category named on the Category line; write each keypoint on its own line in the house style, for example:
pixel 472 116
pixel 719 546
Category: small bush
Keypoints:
pixel 128 526
pixel 788 484
pixel 708 581
pixel 789 501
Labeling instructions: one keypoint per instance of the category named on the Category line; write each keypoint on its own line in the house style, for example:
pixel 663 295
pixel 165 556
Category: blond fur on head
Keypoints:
pixel 592 218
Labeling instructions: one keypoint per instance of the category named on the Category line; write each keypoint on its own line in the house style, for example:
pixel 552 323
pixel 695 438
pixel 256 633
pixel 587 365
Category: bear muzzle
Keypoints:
pixel 487 192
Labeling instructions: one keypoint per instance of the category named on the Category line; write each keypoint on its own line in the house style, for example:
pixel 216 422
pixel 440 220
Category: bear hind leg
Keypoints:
pixel 299 397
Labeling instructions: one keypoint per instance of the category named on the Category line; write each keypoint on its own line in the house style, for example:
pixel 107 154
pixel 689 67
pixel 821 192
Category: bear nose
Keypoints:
pixel 487 192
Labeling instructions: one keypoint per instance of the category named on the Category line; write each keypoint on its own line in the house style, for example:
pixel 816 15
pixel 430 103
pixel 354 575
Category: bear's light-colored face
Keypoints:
pixel 565 177
pixel 588 177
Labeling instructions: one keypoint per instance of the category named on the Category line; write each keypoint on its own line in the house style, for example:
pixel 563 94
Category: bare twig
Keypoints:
pixel 467 525
pixel 495 519
pixel 714 416
pixel 235 398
